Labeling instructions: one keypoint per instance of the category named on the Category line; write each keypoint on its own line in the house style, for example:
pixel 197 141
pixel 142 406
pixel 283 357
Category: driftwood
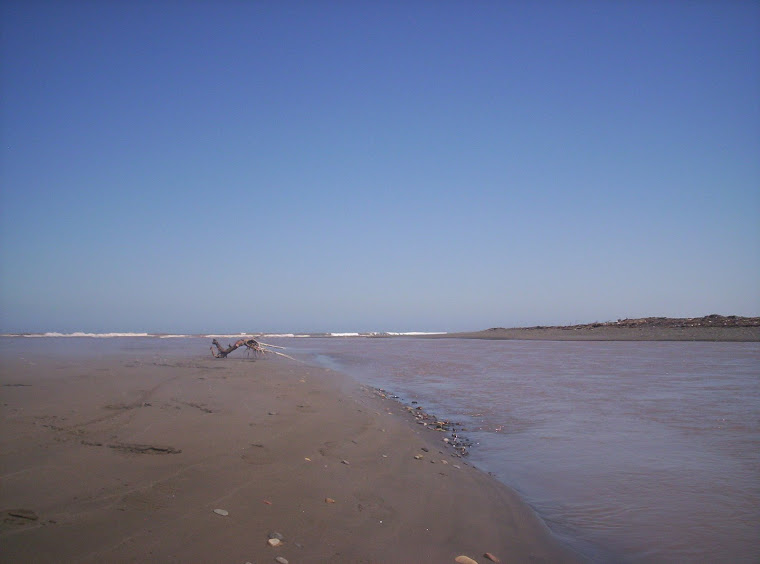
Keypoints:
pixel 252 346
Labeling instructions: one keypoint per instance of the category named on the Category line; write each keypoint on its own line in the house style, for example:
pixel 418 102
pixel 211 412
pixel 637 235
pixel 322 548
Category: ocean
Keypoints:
pixel 629 451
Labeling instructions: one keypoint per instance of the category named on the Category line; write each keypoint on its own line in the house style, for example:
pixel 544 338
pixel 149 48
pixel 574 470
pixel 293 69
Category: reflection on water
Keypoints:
pixel 644 452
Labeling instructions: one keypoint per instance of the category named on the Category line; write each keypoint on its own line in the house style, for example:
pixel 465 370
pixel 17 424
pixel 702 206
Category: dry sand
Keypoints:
pixel 116 460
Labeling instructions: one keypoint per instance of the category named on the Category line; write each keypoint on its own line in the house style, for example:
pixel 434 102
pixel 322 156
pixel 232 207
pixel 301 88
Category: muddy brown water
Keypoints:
pixel 629 451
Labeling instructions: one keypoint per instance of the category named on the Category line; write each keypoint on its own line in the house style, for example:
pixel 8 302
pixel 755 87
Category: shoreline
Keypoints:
pixel 124 458
pixel 717 328
pixel 695 334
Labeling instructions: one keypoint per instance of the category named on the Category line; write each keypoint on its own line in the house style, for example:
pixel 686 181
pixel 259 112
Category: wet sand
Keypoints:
pixel 114 459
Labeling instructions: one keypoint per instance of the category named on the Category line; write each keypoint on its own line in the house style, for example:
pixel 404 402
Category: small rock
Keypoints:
pixel 274 542
pixel 23 514
pixel 276 535
pixel 222 512
pixel 464 560
pixel 329 500
pixel 345 462
pixel 417 456
pixel 281 560
pixel 425 449
pixel 491 557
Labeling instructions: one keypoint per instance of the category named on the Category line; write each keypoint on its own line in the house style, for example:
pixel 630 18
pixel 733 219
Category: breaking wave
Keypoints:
pixel 80 334
pixel 220 335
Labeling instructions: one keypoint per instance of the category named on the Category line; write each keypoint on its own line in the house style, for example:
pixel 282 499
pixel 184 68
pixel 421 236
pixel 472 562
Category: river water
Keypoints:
pixel 630 451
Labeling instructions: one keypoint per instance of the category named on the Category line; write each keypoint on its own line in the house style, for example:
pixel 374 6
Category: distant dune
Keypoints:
pixel 708 328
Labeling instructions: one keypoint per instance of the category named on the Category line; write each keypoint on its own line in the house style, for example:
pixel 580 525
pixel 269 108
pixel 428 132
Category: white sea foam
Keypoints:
pixel 387 334
pixel 91 335
pixel 220 336
pixel 413 333
pixel 236 336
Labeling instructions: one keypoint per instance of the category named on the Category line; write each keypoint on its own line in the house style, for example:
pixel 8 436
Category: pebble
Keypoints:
pixel 23 514
pixel 418 456
pixel 345 462
pixel 425 449
pixel 276 535
pixel 329 500
pixel 281 560
pixel 222 512
pixel 491 557
pixel 274 542
pixel 464 560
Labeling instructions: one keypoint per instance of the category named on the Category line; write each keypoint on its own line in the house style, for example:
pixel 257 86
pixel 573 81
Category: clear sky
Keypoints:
pixel 191 166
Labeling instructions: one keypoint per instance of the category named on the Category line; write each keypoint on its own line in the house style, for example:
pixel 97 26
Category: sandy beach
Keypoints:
pixel 111 458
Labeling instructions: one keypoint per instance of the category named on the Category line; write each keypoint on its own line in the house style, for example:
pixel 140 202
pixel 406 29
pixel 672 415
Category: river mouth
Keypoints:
pixel 629 451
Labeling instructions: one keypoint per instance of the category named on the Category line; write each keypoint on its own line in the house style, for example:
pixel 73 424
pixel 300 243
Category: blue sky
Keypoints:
pixel 337 166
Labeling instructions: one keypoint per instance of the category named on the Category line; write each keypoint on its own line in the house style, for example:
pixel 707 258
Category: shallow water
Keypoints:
pixel 630 451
